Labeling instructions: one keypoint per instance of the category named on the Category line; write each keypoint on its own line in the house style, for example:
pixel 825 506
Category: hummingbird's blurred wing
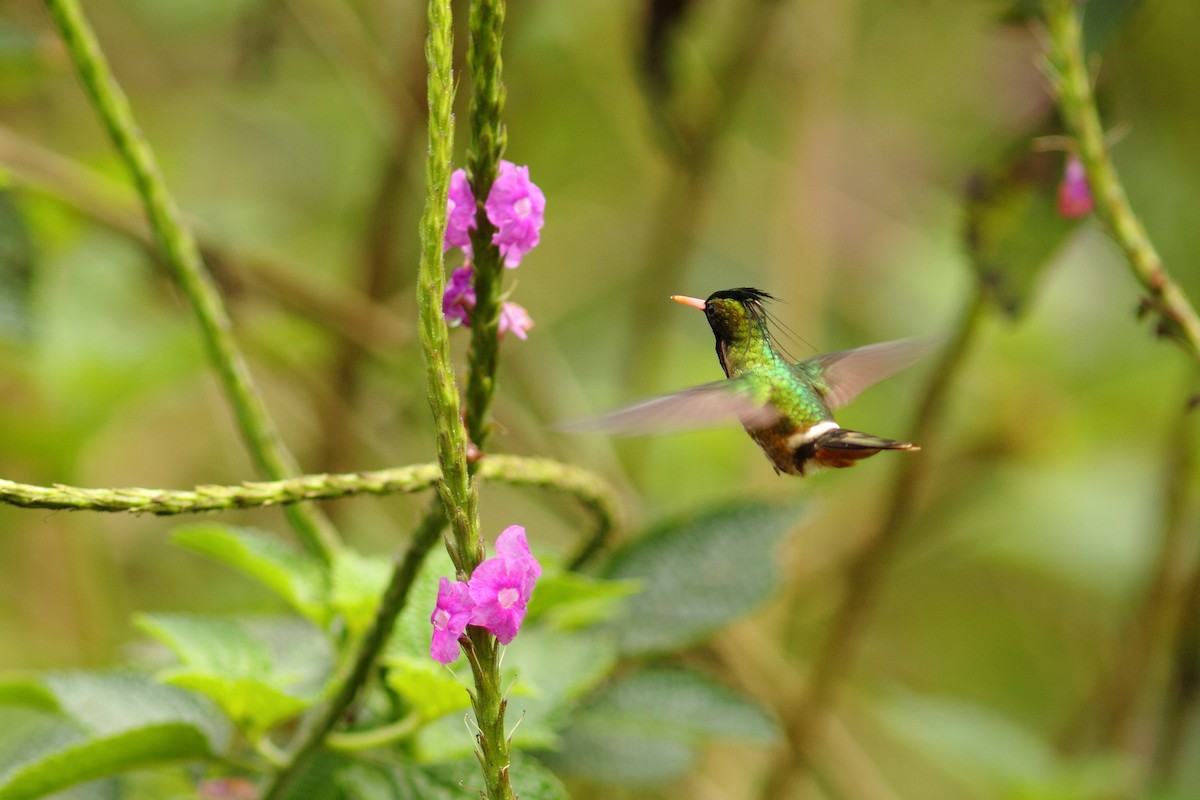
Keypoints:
pixel 847 372
pixel 698 407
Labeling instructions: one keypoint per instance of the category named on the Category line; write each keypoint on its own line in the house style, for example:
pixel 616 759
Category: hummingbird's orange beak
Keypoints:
pixel 694 302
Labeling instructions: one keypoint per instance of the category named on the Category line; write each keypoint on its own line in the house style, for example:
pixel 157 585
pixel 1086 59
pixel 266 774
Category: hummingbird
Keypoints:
pixel 786 407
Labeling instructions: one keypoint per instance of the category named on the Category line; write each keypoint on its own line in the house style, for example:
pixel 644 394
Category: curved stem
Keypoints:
pixel 596 496
pixel 375 737
pixel 1072 85
pixel 183 256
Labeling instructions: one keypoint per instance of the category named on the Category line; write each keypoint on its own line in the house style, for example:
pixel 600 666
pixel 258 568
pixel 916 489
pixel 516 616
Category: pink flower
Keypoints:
pixel 450 616
pixel 517 208
pixel 501 589
pixel 1074 194
pixel 516 319
pixel 460 213
pixel 501 586
pixel 512 544
pixel 459 298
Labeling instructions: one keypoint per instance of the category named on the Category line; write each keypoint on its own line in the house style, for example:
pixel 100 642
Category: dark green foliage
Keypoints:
pixel 698 573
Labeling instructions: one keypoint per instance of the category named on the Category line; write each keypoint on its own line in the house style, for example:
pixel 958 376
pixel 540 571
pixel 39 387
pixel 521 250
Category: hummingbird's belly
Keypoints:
pixel 785 441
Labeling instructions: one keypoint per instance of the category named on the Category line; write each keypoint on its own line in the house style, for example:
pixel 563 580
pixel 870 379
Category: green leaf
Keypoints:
pixel 16 269
pixel 110 703
pixel 1013 228
pixel 358 583
pixel 620 758
pixel 104 725
pixel 413 633
pixel 571 600
pixel 98 758
pixel 699 573
pixel 221 660
pixel 254 705
pixel 295 576
pixel 302 658
pixel 209 644
pixel 407 781
pixel 554 669
pixel 427 686
pixel 644 728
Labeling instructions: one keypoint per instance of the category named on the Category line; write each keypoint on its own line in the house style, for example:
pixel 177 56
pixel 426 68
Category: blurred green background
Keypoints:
pixel 842 136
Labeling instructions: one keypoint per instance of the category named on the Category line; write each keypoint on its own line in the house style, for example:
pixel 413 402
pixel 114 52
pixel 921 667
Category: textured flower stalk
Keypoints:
pixel 456 487
pixel 1072 86
pixel 183 255
pixel 589 490
pixel 484 152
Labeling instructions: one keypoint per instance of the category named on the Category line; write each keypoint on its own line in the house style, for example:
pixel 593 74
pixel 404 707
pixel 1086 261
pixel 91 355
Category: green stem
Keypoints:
pixel 456 488
pixel 352 741
pixel 589 490
pixel 866 573
pixel 316 727
pixel 1072 85
pixel 183 256
pixel 483 161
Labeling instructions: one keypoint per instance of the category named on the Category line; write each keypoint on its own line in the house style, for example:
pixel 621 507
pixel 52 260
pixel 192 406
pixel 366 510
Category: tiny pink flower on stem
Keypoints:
pixel 517 208
pixel 459 298
pixel 450 617
pixel 460 213
pixel 501 589
pixel 512 544
pixel 501 586
pixel 1074 194
pixel 495 598
pixel 515 318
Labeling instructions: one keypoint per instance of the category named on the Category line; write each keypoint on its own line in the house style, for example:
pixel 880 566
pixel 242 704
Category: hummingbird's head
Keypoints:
pixel 737 318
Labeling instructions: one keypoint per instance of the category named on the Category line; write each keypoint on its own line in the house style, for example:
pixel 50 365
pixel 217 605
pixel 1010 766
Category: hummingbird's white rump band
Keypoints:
pixel 804 437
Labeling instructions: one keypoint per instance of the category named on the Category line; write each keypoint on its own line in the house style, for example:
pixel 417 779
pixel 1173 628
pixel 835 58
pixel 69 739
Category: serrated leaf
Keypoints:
pixel 110 703
pixel 407 781
pixel 620 759
pixel 682 704
pixel 358 583
pixel 101 757
pixel 1013 226
pixel 555 668
pixel 28 693
pixel 295 576
pixel 16 269
pixel 209 644
pixel 571 600
pixel 427 686
pixel 698 573
pixel 105 724
pixel 222 661
pixel 302 658
pixel 254 705
pixel 413 632
pixel 644 728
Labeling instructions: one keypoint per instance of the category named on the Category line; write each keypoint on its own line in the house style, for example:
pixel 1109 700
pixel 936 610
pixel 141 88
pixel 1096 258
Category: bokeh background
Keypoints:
pixel 817 150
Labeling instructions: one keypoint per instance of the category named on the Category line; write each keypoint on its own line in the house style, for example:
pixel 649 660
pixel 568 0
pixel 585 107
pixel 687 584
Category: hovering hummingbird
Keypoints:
pixel 785 407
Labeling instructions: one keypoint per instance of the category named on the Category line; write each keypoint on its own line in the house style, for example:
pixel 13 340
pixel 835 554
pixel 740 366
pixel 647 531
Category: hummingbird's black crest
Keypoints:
pixel 745 295
pixel 724 324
